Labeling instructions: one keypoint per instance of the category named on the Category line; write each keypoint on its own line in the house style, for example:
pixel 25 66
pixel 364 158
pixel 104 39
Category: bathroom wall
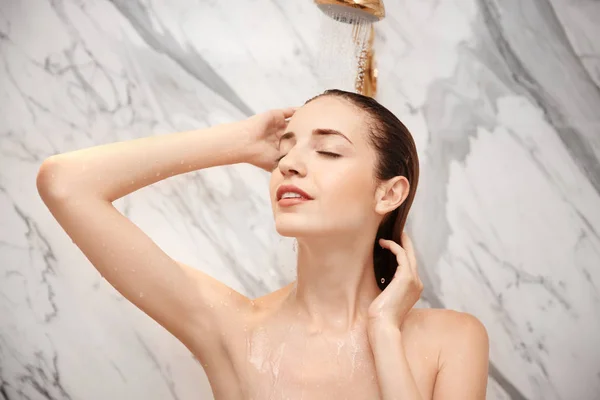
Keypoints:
pixel 502 97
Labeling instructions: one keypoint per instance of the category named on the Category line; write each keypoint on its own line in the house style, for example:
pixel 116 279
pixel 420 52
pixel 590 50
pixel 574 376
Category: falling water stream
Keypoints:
pixel 343 46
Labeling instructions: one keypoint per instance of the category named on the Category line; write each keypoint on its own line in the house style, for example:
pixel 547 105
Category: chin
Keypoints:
pixel 296 227
pixel 293 230
pixel 301 227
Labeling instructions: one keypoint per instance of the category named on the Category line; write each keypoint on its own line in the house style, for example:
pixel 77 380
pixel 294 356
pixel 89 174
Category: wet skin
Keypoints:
pixel 307 340
pixel 273 356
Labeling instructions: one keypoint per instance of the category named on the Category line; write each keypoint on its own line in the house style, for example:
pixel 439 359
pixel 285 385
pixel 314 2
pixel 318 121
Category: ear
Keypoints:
pixel 391 194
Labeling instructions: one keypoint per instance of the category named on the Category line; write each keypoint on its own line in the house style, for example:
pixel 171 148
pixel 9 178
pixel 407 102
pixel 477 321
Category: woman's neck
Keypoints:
pixel 335 283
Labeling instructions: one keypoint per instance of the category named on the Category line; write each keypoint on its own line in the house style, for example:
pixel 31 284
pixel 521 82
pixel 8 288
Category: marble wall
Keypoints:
pixel 503 99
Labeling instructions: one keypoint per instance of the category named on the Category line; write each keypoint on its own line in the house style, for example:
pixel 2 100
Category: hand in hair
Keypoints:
pixel 401 294
pixel 264 131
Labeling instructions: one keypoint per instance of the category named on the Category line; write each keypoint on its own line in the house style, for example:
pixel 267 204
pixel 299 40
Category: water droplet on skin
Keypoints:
pixel 141 294
pixel 211 305
pixel 158 174
pixel 181 162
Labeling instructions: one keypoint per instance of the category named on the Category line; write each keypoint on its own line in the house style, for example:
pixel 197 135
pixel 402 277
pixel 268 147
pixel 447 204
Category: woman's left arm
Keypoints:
pixel 463 363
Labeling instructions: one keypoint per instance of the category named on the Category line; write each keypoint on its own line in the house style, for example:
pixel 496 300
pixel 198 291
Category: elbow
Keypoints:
pixel 50 182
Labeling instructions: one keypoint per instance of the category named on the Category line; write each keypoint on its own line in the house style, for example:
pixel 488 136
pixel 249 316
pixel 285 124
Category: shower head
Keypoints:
pixel 352 11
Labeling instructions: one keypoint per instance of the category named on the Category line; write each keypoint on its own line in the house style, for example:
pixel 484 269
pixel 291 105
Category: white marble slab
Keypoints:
pixel 502 98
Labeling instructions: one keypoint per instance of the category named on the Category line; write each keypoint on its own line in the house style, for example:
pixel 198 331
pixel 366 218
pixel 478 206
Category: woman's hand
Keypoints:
pixel 265 130
pixel 401 294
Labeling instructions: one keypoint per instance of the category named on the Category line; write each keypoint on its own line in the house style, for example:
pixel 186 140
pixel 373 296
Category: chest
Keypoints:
pixel 283 364
pixel 310 367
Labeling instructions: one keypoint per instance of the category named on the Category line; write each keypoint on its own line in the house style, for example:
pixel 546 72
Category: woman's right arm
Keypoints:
pixel 79 187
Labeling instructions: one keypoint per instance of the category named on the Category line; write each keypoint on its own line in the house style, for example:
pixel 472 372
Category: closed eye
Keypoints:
pixel 328 154
pixel 325 153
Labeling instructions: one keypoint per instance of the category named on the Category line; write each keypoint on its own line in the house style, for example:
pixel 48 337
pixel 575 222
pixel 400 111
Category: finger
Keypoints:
pixel 289 111
pixel 407 244
pixel 404 261
pixel 401 257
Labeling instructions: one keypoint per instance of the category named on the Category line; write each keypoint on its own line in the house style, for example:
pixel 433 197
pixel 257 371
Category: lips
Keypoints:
pixel 293 189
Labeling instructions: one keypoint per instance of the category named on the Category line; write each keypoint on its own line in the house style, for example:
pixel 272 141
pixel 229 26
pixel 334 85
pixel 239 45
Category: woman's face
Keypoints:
pixel 342 187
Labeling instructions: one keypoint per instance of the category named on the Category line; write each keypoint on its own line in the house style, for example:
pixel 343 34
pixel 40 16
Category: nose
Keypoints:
pixel 292 164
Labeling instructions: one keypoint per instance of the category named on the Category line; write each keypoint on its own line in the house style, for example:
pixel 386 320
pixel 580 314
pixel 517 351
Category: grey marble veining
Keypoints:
pixel 501 96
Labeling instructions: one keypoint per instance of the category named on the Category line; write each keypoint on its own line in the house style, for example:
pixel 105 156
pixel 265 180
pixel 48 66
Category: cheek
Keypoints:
pixel 351 189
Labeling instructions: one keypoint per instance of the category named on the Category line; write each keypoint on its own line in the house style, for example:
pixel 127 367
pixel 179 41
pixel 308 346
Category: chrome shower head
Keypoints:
pixel 353 11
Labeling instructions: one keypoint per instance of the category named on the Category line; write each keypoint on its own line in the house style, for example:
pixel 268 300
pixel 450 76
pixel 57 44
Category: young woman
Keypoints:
pixel 344 171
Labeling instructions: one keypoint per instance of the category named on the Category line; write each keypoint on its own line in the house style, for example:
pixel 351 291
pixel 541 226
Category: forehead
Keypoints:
pixel 328 112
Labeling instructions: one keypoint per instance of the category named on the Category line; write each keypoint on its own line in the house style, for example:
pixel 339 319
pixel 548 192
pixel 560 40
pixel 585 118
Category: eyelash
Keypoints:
pixel 325 153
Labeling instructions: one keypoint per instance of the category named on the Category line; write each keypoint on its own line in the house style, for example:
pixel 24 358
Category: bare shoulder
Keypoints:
pixel 446 321
pixel 461 327
pixel 461 343
pixel 449 330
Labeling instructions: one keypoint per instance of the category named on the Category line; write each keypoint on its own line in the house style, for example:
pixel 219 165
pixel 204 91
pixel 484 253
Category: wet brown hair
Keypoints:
pixel 396 156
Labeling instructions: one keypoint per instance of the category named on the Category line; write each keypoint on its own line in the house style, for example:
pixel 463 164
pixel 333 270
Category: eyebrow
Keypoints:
pixel 315 132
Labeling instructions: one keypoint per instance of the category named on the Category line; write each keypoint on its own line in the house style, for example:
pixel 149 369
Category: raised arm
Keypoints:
pixel 79 187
